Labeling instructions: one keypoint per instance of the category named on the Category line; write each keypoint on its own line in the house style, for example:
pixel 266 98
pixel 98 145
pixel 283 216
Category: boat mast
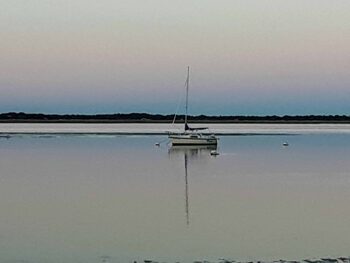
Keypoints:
pixel 187 86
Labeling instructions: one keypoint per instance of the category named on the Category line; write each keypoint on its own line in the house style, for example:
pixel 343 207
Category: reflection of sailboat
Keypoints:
pixel 191 136
pixel 105 259
pixel 186 193
pixel 190 152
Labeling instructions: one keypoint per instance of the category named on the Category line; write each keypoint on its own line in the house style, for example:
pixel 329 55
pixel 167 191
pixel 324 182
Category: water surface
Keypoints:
pixel 82 198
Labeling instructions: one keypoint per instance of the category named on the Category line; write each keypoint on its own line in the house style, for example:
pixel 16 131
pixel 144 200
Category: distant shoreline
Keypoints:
pixel 77 121
pixel 21 117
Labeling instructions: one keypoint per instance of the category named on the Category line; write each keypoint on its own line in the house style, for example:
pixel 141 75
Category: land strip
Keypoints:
pixel 21 117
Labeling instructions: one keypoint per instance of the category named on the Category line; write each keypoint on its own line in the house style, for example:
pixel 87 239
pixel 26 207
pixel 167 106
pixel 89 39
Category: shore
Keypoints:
pixel 319 260
pixel 178 122
pixel 113 129
pixel 135 117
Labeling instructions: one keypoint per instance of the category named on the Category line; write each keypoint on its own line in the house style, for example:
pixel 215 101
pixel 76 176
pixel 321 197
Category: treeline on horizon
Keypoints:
pixel 146 117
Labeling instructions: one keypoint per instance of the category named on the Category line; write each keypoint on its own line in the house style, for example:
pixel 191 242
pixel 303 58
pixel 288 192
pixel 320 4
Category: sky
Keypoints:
pixel 247 57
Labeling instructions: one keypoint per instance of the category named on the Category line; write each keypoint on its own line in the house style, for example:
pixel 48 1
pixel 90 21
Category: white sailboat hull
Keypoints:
pixel 189 140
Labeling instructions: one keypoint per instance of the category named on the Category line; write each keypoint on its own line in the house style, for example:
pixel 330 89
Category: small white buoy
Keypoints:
pixel 214 153
pixel 285 144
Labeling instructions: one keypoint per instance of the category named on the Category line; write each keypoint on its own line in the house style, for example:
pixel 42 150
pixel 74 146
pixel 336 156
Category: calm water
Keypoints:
pixel 82 198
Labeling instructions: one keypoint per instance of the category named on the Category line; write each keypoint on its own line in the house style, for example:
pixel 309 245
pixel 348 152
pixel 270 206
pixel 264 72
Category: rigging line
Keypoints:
pixel 180 98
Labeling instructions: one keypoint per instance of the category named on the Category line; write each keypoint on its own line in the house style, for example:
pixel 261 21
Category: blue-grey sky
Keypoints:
pixel 246 56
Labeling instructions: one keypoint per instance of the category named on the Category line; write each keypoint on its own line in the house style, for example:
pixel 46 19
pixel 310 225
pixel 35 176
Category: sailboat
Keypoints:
pixel 191 136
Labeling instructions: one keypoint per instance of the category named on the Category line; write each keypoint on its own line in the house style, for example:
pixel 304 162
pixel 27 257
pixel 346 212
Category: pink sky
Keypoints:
pixel 246 57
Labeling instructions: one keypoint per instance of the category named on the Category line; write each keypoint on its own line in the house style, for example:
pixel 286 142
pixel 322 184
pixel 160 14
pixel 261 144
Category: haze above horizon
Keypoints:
pixel 255 57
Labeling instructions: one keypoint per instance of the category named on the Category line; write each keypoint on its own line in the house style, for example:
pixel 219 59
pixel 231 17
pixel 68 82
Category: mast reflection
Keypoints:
pixel 190 153
pixel 186 192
